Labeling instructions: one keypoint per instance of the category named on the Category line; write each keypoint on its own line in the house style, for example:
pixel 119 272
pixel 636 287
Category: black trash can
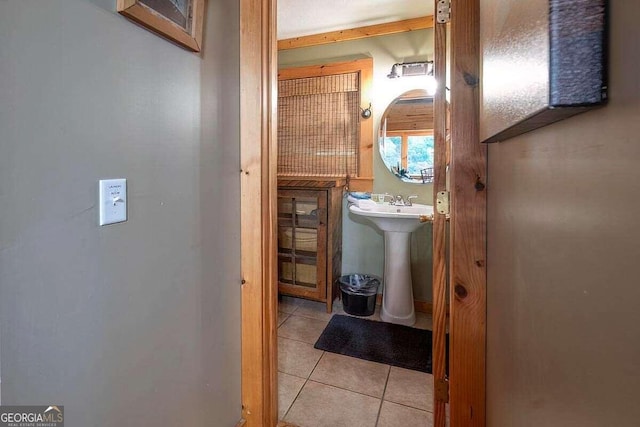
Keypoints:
pixel 359 293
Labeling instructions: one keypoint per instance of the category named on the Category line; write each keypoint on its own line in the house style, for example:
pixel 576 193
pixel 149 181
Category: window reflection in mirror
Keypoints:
pixel 406 137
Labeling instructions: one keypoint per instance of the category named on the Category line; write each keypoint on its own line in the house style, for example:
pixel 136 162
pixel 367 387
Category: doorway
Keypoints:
pixel 467 260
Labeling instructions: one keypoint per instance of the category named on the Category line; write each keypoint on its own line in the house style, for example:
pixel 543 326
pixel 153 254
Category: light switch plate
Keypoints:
pixel 112 201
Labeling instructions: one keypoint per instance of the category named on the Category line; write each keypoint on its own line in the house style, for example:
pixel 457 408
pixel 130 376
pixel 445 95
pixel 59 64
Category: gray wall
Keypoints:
pixel 135 323
pixel 363 244
pixel 563 260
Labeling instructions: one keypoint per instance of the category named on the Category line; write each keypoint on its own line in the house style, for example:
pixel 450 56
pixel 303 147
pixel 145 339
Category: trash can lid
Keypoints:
pixel 359 284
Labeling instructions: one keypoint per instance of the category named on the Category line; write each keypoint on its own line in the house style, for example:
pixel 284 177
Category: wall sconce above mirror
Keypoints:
pixel 406 137
pixel 406 69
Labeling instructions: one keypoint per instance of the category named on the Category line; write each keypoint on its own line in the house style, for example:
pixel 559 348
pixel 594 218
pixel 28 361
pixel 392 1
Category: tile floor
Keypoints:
pixel 317 388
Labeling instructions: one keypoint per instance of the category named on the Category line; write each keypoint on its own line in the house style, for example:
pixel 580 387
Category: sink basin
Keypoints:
pixel 397 223
pixel 395 218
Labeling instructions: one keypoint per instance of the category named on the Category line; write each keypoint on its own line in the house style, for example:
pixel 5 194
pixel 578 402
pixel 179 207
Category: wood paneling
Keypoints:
pixel 358 33
pixel 468 224
pixel 258 212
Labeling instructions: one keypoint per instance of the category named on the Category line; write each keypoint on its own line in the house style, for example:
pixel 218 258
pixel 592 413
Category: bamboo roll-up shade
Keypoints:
pixel 318 125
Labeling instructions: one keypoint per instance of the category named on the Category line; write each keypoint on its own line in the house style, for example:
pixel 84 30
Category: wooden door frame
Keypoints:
pixel 439 234
pixel 468 186
pixel 258 152
pixel 258 201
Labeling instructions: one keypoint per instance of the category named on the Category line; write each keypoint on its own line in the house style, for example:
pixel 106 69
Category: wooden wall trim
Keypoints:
pixel 468 273
pixel 419 306
pixel 365 152
pixel 361 184
pixel 439 222
pixel 258 207
pixel 412 24
pixel 341 67
pixel 423 306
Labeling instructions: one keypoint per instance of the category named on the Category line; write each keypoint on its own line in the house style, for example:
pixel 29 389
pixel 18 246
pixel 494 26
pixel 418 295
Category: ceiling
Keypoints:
pixel 304 17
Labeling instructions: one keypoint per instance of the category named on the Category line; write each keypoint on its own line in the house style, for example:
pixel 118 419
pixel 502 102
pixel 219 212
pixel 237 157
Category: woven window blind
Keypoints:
pixel 318 125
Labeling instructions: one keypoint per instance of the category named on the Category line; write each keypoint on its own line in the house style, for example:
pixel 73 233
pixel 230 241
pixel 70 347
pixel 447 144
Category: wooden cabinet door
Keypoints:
pixel 302 243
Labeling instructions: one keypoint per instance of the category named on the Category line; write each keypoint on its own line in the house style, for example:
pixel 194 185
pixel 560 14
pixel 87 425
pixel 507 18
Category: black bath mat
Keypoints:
pixel 382 342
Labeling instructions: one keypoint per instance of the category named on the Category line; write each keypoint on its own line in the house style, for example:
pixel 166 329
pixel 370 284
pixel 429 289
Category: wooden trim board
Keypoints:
pixel 258 211
pixel 468 274
pixel 439 225
pixel 412 24
pixel 423 306
pixel 419 306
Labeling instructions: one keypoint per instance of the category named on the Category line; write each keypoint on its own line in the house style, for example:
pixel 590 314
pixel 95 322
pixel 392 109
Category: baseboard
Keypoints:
pixel 420 306
pixel 423 306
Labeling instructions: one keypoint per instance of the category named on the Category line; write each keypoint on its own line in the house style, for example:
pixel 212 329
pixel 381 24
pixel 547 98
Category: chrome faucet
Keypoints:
pixel 399 200
pixel 390 196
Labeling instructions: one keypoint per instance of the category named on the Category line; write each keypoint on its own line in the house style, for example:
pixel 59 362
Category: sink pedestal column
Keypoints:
pixel 397 297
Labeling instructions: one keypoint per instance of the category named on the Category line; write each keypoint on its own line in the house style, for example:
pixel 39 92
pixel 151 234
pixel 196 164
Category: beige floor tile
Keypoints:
pixel 289 304
pixel 302 329
pixel 424 321
pixel 361 376
pixel 314 310
pixel 394 415
pixel 337 307
pixel 282 317
pixel 320 405
pixel 297 358
pixel 410 388
pixel 288 388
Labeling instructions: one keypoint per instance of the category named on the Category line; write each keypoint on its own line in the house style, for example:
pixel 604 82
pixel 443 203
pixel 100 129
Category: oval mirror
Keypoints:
pixel 405 137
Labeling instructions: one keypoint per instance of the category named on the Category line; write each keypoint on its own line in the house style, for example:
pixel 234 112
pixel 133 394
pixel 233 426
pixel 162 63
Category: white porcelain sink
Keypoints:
pixel 396 218
pixel 397 222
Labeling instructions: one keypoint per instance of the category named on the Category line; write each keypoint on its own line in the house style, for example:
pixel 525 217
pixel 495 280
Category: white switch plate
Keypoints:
pixel 112 201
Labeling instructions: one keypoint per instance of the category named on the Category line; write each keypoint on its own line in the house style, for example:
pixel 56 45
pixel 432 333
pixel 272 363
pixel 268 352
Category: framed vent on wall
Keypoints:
pixel 542 61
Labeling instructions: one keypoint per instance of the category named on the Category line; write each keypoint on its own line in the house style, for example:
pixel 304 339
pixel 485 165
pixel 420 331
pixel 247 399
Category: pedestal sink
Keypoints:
pixel 397 223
